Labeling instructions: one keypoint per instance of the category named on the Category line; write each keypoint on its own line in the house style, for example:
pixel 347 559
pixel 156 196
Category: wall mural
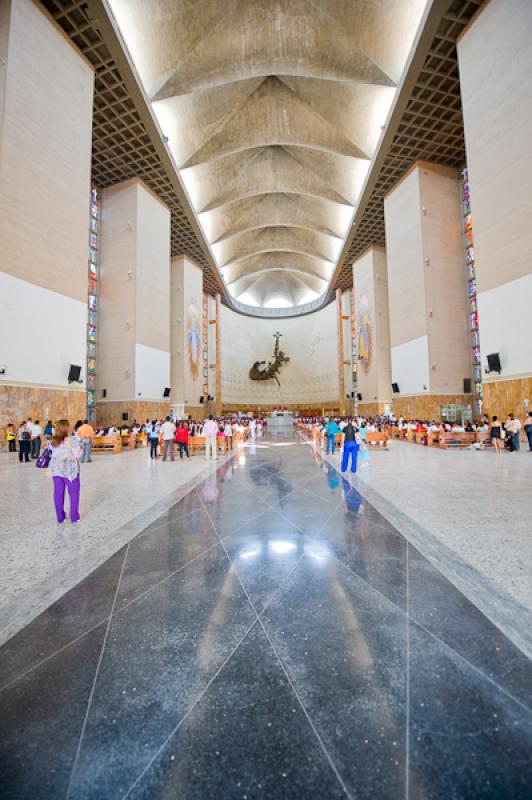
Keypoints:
pixel 193 338
pixel 260 373
pixel 364 331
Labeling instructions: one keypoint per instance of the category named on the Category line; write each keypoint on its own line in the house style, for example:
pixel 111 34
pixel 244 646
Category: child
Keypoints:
pixel 64 469
pixel 11 436
pixel 363 455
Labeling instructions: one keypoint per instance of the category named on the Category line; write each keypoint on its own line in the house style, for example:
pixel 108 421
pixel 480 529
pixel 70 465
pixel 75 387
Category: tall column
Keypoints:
pixel 427 292
pixel 498 132
pixel 46 95
pixel 134 316
pixel 218 387
pixel 374 374
pixel 187 345
pixel 341 377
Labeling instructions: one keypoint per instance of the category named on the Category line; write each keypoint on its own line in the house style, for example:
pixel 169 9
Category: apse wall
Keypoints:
pixel 311 376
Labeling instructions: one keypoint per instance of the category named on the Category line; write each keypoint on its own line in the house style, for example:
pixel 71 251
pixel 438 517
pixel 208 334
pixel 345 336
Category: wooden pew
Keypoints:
pixel 107 444
pixel 377 440
pixel 455 439
pixel 484 438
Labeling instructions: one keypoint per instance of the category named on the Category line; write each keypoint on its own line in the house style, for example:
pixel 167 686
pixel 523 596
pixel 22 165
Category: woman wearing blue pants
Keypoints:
pixel 350 447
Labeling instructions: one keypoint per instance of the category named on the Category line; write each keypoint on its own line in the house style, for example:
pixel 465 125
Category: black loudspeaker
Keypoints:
pixel 201 399
pixel 359 396
pixel 210 397
pixel 104 392
pixel 125 416
pixel 467 385
pixel 166 392
pixel 73 373
pixel 494 363
pixel 395 388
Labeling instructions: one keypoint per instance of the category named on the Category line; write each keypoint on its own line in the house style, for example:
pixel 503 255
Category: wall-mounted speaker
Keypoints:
pixel 125 416
pixel 467 385
pixel 73 373
pixel 359 396
pixel 494 363
pixel 202 399
pixel 166 392
pixel 104 392
pixel 395 388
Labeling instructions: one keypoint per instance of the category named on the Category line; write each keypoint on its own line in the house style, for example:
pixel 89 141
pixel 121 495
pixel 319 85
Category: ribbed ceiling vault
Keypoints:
pixel 269 117
pixel 267 104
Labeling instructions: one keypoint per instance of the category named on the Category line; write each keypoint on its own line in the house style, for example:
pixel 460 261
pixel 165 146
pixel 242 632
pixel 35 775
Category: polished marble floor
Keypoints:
pixel 271 635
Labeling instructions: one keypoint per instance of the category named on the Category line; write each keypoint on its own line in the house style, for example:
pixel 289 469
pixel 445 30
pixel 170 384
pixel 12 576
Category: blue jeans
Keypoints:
pixel 350 449
pixel 331 442
pixel 87 449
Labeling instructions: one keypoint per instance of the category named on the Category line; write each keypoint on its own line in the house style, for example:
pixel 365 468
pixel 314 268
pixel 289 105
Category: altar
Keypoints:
pixel 280 419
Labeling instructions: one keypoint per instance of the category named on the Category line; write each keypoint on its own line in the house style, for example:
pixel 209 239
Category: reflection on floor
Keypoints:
pixel 270 636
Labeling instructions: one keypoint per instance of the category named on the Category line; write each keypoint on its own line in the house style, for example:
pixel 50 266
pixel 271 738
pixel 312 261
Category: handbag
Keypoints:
pixel 43 462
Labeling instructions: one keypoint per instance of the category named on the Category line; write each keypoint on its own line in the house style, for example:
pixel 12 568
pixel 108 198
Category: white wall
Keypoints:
pixel 495 59
pixel 410 366
pixel 311 343
pixel 507 325
pixel 152 372
pixel 41 333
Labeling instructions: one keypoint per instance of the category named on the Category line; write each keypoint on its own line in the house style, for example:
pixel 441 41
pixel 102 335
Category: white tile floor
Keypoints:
pixel 120 496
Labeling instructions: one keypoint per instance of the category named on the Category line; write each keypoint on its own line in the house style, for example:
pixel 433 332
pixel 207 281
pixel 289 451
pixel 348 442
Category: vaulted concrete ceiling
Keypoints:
pixel 273 110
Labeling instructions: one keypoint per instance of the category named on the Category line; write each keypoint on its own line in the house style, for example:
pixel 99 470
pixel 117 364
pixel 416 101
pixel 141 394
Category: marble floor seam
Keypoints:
pixel 451 566
pixel 189 711
pixel 95 681
pixel 281 664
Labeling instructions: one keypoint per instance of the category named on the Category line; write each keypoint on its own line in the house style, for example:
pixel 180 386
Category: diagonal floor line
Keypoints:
pixel 155 525
pixel 444 644
pixel 190 710
pixel 95 680
pixel 281 664
pixel 433 636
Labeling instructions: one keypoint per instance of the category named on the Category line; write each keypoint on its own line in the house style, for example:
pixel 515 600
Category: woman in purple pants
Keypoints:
pixel 64 466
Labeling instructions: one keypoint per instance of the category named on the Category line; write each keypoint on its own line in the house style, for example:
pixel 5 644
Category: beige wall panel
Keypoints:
pixel 5 13
pixel 20 402
pixel 404 251
pixel 495 59
pixel 445 280
pixel 152 272
pixel 311 343
pixel 45 155
pixel 117 311
pixel 370 280
pixel 186 345
pixel 505 397
pixel 427 407
pixel 111 413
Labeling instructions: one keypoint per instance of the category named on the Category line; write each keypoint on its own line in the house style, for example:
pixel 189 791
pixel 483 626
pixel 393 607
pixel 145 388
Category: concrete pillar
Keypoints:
pixel 498 132
pixel 218 385
pixel 341 376
pixel 134 315
pixel 429 337
pixel 187 346
pixel 374 373
pixel 46 95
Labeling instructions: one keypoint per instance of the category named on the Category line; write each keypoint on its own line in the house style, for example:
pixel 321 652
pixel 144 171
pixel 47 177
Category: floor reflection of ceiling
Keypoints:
pixel 273 110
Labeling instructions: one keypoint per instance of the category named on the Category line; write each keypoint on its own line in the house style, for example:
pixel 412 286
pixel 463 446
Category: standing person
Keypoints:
pixel 86 437
pixel 210 431
pixel 153 437
pixel 11 436
pixel 495 433
pixel 24 442
pixel 252 428
pixel 49 430
pixel 513 428
pixel 181 438
pixel 36 434
pixel 331 430
pixel 64 466
pixel 168 432
pixel 350 447
pixel 528 430
pixel 228 430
